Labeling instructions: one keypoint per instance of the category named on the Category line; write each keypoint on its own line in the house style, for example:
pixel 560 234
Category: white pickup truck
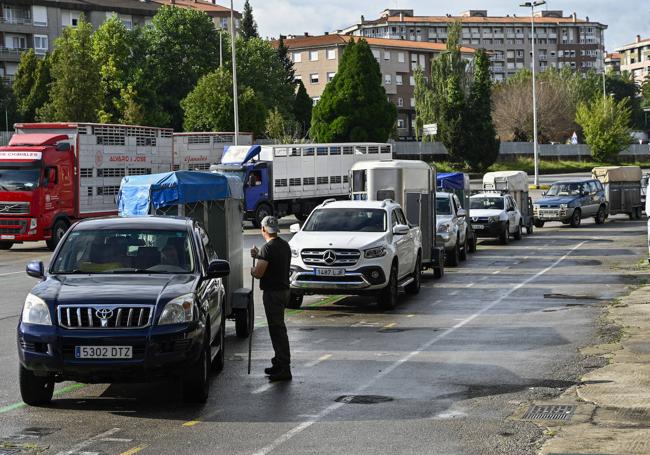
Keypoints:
pixel 356 248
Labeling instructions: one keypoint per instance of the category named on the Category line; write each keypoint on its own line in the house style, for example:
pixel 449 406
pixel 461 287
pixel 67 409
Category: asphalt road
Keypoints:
pixel 443 372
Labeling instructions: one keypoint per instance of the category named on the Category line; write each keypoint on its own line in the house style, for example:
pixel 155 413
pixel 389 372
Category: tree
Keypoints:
pixel 24 84
pixel 281 129
pixel 248 27
pixel 302 108
pixel 354 106
pixel 287 63
pixel 73 92
pixel 209 107
pixel 606 126
pixel 645 91
pixel 39 95
pixel 7 107
pixel 482 145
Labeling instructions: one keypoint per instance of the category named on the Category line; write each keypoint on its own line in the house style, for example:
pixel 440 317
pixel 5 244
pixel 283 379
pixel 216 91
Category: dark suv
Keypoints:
pixel 124 300
pixel 572 201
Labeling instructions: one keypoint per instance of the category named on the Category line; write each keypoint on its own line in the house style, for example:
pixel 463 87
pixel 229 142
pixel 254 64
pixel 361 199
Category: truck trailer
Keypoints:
pixel 198 151
pixel 52 174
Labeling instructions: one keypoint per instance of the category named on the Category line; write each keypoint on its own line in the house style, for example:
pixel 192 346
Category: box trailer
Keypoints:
pixel 198 151
pixel 622 189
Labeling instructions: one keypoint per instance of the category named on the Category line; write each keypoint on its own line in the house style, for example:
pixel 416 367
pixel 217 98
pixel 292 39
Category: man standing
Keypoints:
pixel 272 269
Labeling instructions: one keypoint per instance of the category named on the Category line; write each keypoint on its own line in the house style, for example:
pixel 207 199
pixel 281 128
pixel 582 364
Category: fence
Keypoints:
pixel 5 136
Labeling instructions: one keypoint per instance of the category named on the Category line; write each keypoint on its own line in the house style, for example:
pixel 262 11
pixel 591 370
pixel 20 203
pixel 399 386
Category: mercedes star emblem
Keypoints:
pixel 329 257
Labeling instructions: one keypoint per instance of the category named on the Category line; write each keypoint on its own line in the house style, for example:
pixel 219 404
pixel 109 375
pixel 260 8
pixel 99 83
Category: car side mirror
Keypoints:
pixel 401 229
pixel 36 269
pixel 294 228
pixel 461 213
pixel 218 269
pixel 511 209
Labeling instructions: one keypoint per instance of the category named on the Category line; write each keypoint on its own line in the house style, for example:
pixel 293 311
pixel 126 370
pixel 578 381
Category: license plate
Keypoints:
pixel 103 352
pixel 478 227
pixel 7 237
pixel 329 272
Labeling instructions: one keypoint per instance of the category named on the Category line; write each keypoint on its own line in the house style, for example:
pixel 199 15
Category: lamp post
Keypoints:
pixel 234 72
pixel 532 6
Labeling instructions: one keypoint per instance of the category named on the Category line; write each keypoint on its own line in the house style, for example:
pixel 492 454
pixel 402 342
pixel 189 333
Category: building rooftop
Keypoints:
pixel 200 5
pixel 637 43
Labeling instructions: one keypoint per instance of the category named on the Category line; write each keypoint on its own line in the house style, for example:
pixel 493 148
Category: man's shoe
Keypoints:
pixel 282 375
pixel 272 370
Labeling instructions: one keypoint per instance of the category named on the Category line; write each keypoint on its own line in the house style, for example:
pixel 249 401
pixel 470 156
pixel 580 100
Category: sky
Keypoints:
pixel 625 18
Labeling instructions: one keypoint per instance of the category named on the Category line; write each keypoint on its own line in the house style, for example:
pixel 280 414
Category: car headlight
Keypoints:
pixel 376 252
pixel 35 311
pixel 564 206
pixel 178 310
pixel 443 228
pixel 294 253
pixel 493 219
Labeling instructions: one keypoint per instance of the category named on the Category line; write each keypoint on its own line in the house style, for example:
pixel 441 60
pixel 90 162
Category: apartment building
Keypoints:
pixel 26 24
pixel 316 60
pixel 613 63
pixel 560 40
pixel 635 58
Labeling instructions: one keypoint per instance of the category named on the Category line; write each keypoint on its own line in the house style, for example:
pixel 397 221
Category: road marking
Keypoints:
pixel 10 273
pixel 58 392
pixel 117 440
pixel 134 450
pixel 319 341
pixel 191 423
pixel 392 324
pixel 357 341
pixel 470 285
pixel 496 272
pixel 334 406
pixel 264 388
pixel 410 315
pixel 319 360
pixel 453 293
pixel 88 442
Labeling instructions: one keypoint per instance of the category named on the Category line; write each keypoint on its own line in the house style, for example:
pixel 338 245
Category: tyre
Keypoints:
pixel 518 233
pixel 472 244
pixel 35 390
pixel 220 360
pixel 414 287
pixel 453 256
pixel 295 301
pixel 600 216
pixel 462 254
pixel 262 210
pixel 196 383
pixel 58 231
pixel 244 320
pixel 538 223
pixel 388 296
pixel 529 229
pixel 576 218
pixel 504 238
pixel 6 245
pixel 438 272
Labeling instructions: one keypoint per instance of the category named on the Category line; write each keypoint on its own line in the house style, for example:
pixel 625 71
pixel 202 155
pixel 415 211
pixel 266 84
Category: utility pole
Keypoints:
pixel 532 6
pixel 220 48
pixel 234 72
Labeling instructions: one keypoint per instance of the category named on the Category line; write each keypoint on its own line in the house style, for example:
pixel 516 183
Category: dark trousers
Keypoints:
pixel 274 305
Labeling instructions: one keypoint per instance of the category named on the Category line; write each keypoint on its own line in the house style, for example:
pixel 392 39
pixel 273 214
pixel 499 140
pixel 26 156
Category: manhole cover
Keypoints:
pixel 550 412
pixel 363 399
pixel 391 330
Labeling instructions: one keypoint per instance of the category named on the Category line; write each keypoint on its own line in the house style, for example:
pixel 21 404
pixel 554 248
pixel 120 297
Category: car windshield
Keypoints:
pixel 443 207
pixel 488 203
pixel 125 251
pixel 564 189
pixel 19 178
pixel 347 220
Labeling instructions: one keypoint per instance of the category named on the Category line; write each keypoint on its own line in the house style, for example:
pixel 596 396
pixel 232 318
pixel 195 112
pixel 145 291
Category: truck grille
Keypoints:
pixel 330 257
pixel 13 227
pixel 105 317
pixel 14 208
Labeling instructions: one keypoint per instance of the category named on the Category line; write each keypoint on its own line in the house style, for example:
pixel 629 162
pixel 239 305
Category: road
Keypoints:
pixel 440 374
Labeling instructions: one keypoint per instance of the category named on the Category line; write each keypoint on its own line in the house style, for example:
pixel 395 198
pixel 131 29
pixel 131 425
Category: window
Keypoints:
pixel 40 15
pixel 386 55
pixel 330 76
pixel 400 123
pixel 400 102
pixel 315 100
pixel 399 80
pixel 297 57
pixel 388 79
pixel 411 80
pixel 297 78
pixel 400 57
pixel 376 54
pixel 313 56
pixel 15 41
pixel 41 44
pixel 331 54
pixel 313 78
pixel 412 102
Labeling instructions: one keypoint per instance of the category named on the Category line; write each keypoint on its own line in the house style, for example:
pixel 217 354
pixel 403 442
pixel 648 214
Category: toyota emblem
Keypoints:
pixel 329 257
pixel 104 314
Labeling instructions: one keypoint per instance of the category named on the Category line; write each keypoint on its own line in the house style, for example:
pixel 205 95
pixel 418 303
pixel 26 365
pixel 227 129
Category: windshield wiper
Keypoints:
pixel 137 271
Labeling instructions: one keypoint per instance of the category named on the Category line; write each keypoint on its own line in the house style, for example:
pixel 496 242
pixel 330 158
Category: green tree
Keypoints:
pixel 645 91
pixel 209 107
pixel 482 145
pixel 302 108
pixel 354 106
pixel 287 63
pixel 24 84
pixel 39 95
pixel 281 129
pixel 182 45
pixel 73 92
pixel 248 27
pixel 606 127
pixel 7 107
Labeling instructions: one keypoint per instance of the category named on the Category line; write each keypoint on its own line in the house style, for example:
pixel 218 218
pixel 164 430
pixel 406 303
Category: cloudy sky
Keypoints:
pixel 625 18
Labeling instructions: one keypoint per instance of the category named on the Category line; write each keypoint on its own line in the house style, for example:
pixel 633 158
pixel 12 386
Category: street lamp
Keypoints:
pixel 234 72
pixel 532 6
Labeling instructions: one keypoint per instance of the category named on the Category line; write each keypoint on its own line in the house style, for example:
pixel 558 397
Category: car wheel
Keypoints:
pixel 518 233
pixel 452 256
pixel 220 360
pixel 462 254
pixel 538 223
pixel 35 390
pixel 600 216
pixel 244 320
pixel 263 210
pixel 6 245
pixel 295 301
pixel 576 218
pixel 388 296
pixel 504 238
pixel 196 383
pixel 58 231
pixel 414 287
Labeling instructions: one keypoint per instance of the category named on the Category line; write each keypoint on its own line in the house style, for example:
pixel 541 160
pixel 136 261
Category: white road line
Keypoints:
pixel 88 442
pixel 313 363
pixel 10 273
pixel 496 272
pixel 357 341
pixel 470 285
pixel 453 293
pixel 319 341
pixel 334 406
pixel 264 388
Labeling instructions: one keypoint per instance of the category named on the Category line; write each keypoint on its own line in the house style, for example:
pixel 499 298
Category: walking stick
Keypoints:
pixel 252 324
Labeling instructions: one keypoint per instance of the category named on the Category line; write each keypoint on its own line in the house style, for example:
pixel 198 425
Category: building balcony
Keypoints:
pixel 11 53
pixel 510 35
pixel 498 35
pixel 7 80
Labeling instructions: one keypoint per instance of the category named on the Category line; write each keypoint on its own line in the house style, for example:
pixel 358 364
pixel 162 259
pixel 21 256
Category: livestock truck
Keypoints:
pixel 198 151
pixel 52 174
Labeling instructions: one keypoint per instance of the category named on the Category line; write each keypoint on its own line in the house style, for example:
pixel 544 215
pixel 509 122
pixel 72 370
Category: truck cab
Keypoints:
pixel 37 175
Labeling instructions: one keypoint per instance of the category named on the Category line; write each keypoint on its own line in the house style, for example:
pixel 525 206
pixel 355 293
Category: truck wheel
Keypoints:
pixel 220 360
pixel 388 296
pixel 538 223
pixel 504 238
pixel 600 216
pixel 244 320
pixel 58 231
pixel 295 301
pixel 414 287
pixel 452 256
pixel 462 254
pixel 6 245
pixel 576 218
pixel 196 383
pixel 518 233
pixel 35 390
pixel 263 210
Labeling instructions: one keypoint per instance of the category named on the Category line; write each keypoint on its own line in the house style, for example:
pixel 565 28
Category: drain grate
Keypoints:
pixel 550 412
pixel 363 399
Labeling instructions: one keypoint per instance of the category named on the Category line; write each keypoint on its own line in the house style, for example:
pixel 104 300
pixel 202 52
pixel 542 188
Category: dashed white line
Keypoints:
pixel 453 293
pixel 470 285
pixel 319 341
pixel 88 442
pixel 264 388
pixel 10 273
pixel 313 363
pixel 496 272
pixel 334 406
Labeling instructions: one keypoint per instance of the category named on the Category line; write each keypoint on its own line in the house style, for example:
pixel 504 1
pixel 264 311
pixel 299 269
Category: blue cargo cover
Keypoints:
pixel 138 193
pixel 451 181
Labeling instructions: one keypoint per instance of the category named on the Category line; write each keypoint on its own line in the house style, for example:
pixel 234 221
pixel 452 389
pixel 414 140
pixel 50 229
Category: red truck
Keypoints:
pixel 52 174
